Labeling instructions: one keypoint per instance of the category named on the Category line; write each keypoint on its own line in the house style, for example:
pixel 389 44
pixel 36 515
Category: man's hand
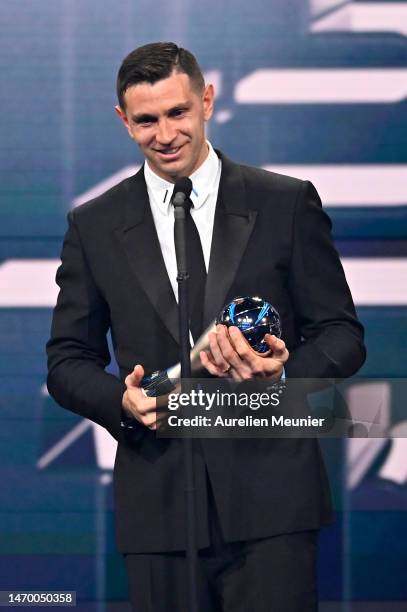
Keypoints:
pixel 136 403
pixel 231 355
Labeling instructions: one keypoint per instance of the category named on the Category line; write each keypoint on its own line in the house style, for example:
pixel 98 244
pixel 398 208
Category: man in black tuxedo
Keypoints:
pixel 260 502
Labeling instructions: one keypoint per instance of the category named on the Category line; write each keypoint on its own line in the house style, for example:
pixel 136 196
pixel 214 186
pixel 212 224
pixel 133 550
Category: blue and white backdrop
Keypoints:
pixel 312 88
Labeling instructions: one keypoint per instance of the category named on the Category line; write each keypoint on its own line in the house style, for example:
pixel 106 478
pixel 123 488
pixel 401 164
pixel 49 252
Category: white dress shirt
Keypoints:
pixel 205 187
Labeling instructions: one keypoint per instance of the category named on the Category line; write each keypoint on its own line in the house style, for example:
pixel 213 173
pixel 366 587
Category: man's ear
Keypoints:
pixel 208 101
pixel 123 117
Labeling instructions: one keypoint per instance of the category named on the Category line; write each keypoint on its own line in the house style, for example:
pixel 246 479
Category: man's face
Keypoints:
pixel 167 120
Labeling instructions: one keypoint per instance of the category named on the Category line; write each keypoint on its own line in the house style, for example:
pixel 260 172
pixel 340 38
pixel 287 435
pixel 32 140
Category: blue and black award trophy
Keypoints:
pixel 252 315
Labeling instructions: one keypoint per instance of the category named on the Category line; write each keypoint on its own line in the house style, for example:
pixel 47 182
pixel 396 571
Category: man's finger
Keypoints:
pixel 148 406
pixel 242 365
pixel 134 378
pixel 277 346
pixel 150 420
pixel 242 347
pixel 144 405
pixel 217 356
pixel 211 367
pixel 230 356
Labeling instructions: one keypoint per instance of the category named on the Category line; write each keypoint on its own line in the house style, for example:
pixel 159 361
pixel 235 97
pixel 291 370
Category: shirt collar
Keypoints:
pixel 203 180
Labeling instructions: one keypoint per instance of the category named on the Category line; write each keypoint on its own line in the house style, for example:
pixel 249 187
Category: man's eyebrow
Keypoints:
pixel 180 106
pixel 185 104
pixel 147 118
pixel 143 118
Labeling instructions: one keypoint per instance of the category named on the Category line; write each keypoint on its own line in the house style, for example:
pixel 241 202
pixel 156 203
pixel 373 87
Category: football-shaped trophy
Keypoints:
pixel 254 317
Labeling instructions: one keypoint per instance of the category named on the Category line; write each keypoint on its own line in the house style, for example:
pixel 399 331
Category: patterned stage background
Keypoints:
pixel 316 89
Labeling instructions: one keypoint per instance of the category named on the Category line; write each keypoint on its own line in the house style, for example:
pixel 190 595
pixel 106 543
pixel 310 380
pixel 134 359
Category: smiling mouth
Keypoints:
pixel 168 152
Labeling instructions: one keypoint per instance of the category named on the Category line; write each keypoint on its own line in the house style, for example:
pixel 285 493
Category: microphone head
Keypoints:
pixel 183 185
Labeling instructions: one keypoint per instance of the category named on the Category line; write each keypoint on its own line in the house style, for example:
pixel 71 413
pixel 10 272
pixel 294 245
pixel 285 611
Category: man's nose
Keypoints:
pixel 165 132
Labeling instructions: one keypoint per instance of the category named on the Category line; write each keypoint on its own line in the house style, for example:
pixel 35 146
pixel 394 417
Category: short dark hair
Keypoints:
pixel 154 62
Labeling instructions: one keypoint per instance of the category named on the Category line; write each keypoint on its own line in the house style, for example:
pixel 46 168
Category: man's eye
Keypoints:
pixel 143 122
pixel 179 112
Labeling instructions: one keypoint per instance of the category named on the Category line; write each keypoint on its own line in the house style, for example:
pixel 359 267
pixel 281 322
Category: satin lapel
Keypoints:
pixel 140 242
pixel 233 225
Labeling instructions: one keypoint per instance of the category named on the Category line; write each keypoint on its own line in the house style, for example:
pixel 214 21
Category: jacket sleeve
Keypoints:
pixel 332 337
pixel 78 350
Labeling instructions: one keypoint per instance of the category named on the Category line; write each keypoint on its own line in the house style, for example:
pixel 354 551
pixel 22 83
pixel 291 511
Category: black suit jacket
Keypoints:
pixel 270 238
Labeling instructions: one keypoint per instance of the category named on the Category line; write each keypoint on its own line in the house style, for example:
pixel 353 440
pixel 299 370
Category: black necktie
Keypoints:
pixel 197 275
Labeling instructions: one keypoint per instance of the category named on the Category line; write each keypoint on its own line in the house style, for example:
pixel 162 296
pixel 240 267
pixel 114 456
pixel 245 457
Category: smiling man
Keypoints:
pixel 166 119
pixel 260 503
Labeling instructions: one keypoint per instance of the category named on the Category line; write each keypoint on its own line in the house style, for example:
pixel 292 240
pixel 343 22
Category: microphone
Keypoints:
pixel 182 191
pixel 162 382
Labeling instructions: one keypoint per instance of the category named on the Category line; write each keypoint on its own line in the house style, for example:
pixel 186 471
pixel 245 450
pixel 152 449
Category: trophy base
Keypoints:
pixel 157 384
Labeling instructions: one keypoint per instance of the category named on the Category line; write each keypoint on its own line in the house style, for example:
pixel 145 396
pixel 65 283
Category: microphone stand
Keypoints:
pixel 182 279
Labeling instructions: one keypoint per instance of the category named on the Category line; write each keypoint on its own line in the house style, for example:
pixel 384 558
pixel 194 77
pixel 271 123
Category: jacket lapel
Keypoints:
pixel 140 241
pixel 233 226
